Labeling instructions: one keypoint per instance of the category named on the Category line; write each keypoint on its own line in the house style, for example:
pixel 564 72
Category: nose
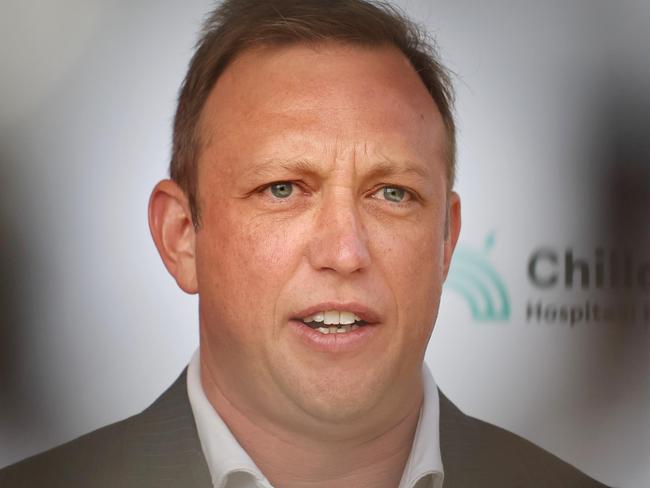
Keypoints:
pixel 339 241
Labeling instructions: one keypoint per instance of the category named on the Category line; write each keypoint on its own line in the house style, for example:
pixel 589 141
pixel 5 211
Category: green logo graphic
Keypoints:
pixel 473 276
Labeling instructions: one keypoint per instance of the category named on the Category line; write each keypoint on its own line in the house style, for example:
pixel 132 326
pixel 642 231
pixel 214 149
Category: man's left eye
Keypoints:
pixel 282 189
pixel 392 194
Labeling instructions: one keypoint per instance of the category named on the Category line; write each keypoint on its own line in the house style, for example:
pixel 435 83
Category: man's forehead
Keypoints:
pixel 317 83
pixel 284 152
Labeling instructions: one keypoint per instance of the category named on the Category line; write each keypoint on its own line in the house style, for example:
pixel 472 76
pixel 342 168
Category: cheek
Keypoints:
pixel 246 262
pixel 411 264
pixel 411 251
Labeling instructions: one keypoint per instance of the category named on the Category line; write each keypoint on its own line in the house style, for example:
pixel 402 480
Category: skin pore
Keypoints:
pixel 322 186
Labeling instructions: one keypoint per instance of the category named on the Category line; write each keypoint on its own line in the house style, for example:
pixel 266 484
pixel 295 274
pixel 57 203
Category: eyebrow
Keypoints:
pixel 387 167
pixel 380 169
pixel 299 166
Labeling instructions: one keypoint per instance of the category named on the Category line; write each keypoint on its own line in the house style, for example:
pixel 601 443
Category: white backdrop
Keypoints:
pixel 552 110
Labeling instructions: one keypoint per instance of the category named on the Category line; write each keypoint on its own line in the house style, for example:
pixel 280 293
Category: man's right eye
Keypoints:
pixel 282 189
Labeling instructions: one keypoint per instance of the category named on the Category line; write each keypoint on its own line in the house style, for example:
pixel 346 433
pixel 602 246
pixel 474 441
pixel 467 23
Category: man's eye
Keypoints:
pixel 392 194
pixel 283 189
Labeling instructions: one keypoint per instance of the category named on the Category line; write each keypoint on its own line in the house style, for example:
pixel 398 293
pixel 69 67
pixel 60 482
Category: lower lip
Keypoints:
pixel 334 342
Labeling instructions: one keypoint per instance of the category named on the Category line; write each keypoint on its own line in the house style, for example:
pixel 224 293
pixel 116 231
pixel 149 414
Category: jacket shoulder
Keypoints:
pixel 158 447
pixel 80 462
pixel 476 453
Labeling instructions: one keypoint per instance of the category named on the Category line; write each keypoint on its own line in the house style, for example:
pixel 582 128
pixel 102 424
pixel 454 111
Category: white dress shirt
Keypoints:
pixel 231 467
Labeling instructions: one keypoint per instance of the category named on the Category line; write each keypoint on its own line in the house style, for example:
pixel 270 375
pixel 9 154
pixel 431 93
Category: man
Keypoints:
pixel 311 208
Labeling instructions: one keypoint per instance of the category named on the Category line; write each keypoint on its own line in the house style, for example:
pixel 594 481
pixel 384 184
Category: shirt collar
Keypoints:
pixel 222 452
pixel 224 455
pixel 425 460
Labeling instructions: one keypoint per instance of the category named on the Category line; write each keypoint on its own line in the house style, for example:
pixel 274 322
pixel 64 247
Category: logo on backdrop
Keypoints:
pixel 606 286
pixel 473 276
pixel 610 286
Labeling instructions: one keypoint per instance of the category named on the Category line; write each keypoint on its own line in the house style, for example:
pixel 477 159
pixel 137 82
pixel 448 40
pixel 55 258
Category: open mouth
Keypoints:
pixel 333 322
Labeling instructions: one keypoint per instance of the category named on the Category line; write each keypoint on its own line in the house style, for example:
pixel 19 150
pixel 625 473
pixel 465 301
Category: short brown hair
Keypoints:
pixel 237 25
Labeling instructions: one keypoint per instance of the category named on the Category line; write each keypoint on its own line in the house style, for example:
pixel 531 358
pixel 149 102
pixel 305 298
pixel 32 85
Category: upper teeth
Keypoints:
pixel 333 317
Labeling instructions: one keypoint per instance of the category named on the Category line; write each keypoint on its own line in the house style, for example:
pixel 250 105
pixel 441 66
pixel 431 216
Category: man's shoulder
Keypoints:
pixel 158 447
pixel 474 451
pixel 76 462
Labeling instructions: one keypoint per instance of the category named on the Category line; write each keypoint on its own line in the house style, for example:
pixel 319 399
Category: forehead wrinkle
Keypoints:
pixel 270 166
pixel 387 167
pixel 382 168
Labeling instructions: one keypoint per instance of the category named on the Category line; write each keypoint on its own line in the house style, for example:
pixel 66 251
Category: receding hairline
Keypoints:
pixel 205 139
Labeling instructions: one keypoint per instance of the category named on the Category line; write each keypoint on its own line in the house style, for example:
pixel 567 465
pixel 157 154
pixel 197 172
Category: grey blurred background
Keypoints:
pixel 554 119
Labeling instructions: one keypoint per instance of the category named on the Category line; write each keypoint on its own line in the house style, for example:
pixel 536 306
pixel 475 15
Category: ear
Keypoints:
pixel 453 229
pixel 170 223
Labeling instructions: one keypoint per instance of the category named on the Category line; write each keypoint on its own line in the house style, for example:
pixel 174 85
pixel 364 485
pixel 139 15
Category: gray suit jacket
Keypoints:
pixel 160 448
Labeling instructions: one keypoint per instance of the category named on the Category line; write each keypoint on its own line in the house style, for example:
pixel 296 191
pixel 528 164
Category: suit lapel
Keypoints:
pixel 166 451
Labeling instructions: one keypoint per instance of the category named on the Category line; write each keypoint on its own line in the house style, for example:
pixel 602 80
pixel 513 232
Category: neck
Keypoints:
pixel 292 460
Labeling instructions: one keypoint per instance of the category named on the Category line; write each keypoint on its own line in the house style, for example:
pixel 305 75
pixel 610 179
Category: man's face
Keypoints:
pixel 323 194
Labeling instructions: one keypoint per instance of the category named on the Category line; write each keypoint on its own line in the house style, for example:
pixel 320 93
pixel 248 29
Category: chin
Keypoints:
pixel 335 395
